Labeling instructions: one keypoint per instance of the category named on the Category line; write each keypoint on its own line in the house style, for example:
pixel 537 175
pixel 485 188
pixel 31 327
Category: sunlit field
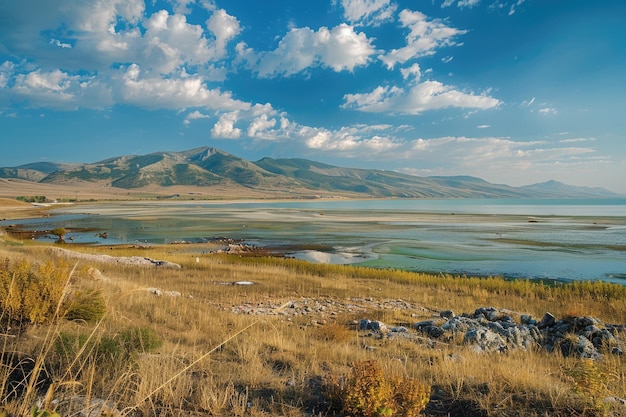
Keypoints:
pixel 244 335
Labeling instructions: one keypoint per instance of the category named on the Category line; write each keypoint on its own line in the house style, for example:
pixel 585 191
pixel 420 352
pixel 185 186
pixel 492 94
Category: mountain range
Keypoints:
pixel 210 167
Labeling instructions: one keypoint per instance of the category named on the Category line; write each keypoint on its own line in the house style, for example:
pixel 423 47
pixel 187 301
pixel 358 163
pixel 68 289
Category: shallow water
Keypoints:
pixel 537 239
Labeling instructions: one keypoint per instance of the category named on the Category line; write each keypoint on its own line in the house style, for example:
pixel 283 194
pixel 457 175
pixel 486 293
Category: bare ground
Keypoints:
pixel 83 191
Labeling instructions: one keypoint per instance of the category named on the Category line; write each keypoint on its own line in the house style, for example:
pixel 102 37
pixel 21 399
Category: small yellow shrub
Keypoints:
pixel 410 396
pixel 31 295
pixel 37 294
pixel 588 378
pixel 368 393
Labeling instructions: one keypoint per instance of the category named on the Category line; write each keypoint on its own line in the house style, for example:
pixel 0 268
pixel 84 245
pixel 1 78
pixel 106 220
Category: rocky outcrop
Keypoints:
pixel 499 330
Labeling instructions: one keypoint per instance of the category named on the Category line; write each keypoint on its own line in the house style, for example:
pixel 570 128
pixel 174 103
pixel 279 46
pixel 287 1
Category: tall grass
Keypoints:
pixel 197 354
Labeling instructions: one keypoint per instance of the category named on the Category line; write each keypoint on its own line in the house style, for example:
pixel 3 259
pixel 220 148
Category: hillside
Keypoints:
pixel 212 168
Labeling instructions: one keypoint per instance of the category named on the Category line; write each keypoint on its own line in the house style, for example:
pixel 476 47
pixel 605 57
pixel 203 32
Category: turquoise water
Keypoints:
pixel 517 238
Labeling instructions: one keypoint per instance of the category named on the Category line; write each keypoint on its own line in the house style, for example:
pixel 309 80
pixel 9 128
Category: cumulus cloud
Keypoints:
pixel 57 89
pixel 95 34
pixel 339 48
pixel 225 127
pixel 259 125
pixel 418 98
pixel 195 115
pixel 170 42
pixel 424 37
pixel 351 141
pixel 225 27
pixel 413 71
pixel 145 90
pixel 368 12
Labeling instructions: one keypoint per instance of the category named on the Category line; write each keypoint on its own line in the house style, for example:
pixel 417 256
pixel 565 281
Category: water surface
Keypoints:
pixel 517 238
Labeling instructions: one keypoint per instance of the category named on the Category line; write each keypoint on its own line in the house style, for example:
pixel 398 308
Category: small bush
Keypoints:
pixel 31 295
pixel 87 305
pixel 368 393
pixel 141 339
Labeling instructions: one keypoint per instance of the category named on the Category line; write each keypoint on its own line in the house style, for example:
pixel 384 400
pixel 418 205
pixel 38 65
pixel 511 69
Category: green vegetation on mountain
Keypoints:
pixel 207 166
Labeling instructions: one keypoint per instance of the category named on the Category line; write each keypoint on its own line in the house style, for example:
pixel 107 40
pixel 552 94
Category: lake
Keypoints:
pixel 573 239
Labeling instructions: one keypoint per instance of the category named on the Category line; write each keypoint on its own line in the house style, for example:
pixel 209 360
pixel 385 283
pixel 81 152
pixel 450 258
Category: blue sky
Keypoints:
pixel 512 91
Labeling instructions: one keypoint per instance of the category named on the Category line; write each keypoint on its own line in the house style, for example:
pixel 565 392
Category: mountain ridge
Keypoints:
pixel 208 167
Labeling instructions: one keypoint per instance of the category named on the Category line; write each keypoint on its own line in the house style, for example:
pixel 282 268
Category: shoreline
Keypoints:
pixel 537 247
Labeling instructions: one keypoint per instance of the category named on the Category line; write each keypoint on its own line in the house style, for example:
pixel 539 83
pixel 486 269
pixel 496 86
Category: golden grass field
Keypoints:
pixel 217 355
pixel 85 191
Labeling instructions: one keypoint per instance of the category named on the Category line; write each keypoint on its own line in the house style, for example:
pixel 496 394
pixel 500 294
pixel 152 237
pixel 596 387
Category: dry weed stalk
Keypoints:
pixel 185 369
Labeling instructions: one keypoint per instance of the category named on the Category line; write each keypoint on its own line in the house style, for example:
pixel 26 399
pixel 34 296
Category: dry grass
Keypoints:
pixel 101 190
pixel 216 360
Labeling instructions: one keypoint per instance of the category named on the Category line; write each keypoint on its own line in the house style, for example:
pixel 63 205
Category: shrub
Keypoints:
pixel 39 294
pixel 368 393
pixel 141 339
pixel 29 297
pixel 86 305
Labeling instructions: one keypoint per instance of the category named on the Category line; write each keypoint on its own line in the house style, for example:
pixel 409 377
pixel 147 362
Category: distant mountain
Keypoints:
pixel 35 171
pixel 207 167
pixel 558 189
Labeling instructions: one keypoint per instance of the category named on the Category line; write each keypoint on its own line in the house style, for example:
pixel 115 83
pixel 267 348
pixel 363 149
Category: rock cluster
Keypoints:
pixel 490 329
pixel 487 329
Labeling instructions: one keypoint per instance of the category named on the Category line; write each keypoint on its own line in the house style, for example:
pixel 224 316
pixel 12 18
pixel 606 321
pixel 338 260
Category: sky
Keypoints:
pixel 512 91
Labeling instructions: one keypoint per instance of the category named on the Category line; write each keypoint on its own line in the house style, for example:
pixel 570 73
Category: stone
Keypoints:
pixel 446 314
pixel 578 346
pixel 485 340
pixel 548 320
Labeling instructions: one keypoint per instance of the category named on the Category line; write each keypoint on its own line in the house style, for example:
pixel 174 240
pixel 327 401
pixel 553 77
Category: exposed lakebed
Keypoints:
pixel 536 239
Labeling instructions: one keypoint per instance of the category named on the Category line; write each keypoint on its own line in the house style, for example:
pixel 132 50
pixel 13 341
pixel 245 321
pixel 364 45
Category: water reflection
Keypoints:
pixel 462 239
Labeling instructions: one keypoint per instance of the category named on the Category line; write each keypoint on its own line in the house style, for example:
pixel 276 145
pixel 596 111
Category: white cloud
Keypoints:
pixel 483 126
pixel 259 125
pixel 6 73
pixel 60 44
pixel 548 110
pixel 420 97
pixel 368 12
pixel 424 37
pixel 500 160
pixel 58 89
pixel 460 3
pixel 170 42
pixel 195 115
pixel 351 141
pixel 225 126
pixel 183 6
pixel 91 35
pixel 413 71
pixel 577 140
pixel 148 91
pixel 339 48
pixel 514 7
pixel 225 27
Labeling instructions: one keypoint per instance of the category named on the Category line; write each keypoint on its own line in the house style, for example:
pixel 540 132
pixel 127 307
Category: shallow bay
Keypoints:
pixel 536 239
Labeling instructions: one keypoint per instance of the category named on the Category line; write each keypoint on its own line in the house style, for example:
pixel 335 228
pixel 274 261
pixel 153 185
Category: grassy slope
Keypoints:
pixel 276 366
